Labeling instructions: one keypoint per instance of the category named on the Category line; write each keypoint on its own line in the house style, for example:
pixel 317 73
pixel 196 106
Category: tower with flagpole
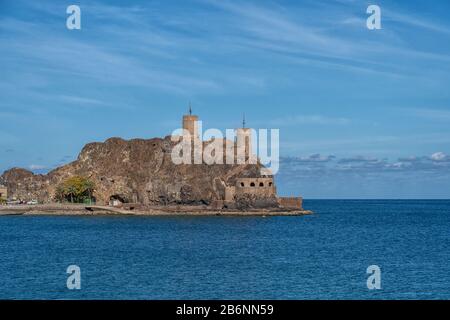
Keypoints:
pixel 190 123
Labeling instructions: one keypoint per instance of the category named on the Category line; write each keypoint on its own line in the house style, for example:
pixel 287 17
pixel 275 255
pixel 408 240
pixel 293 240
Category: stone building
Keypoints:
pixel 3 192
pixel 258 188
pixel 263 187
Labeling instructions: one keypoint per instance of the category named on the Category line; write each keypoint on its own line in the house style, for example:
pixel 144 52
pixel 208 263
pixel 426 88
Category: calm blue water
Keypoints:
pixel 321 256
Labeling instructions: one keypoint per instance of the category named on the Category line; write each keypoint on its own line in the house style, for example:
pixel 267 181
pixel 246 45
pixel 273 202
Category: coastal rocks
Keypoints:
pixel 140 171
pixel 23 184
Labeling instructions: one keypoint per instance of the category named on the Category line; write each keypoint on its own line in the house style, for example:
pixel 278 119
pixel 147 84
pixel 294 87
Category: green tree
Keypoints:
pixel 76 189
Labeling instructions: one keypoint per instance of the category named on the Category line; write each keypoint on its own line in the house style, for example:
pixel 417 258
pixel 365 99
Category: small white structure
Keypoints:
pixel 116 201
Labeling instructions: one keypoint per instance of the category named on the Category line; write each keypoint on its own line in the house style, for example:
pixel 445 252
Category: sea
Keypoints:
pixel 321 256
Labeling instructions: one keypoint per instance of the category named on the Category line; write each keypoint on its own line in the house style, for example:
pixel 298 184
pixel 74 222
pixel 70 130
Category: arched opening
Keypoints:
pixel 270 184
pixel 252 184
pixel 242 184
pixel 117 200
pixel 261 184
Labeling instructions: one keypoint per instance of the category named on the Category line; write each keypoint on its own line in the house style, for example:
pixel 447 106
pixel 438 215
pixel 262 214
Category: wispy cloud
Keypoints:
pixel 275 28
pixel 308 119
pixel 90 57
pixel 81 100
pixel 416 21
pixel 263 29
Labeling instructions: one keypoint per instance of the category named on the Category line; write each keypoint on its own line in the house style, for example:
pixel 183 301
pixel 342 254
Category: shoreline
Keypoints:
pixel 92 210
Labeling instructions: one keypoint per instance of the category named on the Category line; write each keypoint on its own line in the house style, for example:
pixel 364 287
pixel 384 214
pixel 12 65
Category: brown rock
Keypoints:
pixel 139 171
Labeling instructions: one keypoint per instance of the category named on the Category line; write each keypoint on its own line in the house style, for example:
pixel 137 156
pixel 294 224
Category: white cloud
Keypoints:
pixel 437 163
pixel 359 159
pixel 317 157
pixel 439 156
pixel 80 101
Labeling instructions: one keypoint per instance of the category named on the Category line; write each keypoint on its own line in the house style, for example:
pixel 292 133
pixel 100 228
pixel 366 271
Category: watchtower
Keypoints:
pixel 244 143
pixel 190 123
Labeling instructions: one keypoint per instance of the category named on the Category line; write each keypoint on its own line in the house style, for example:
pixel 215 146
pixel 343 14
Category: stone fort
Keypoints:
pixel 258 187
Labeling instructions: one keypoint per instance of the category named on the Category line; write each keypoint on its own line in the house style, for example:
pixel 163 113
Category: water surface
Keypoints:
pixel 323 256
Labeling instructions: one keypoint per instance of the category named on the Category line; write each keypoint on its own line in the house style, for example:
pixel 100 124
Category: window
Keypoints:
pixel 261 184
pixel 270 184
pixel 252 184
pixel 242 184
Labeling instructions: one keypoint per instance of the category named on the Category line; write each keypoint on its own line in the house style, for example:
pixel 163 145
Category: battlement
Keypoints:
pixel 257 186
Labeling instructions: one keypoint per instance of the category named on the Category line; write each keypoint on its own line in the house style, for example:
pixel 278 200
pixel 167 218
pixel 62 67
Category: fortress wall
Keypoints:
pixel 291 202
pixel 258 186
pixel 229 193
pixel 263 192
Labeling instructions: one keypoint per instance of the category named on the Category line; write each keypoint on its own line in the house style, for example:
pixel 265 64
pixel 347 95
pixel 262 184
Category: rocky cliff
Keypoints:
pixel 138 170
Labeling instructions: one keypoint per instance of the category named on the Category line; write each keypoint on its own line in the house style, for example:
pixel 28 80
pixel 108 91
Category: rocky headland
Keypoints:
pixel 140 172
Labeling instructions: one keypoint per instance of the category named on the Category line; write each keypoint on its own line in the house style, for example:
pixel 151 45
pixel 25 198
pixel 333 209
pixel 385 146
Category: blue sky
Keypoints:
pixel 362 114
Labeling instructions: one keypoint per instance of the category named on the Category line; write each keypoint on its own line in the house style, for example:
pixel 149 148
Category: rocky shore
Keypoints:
pixel 79 209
